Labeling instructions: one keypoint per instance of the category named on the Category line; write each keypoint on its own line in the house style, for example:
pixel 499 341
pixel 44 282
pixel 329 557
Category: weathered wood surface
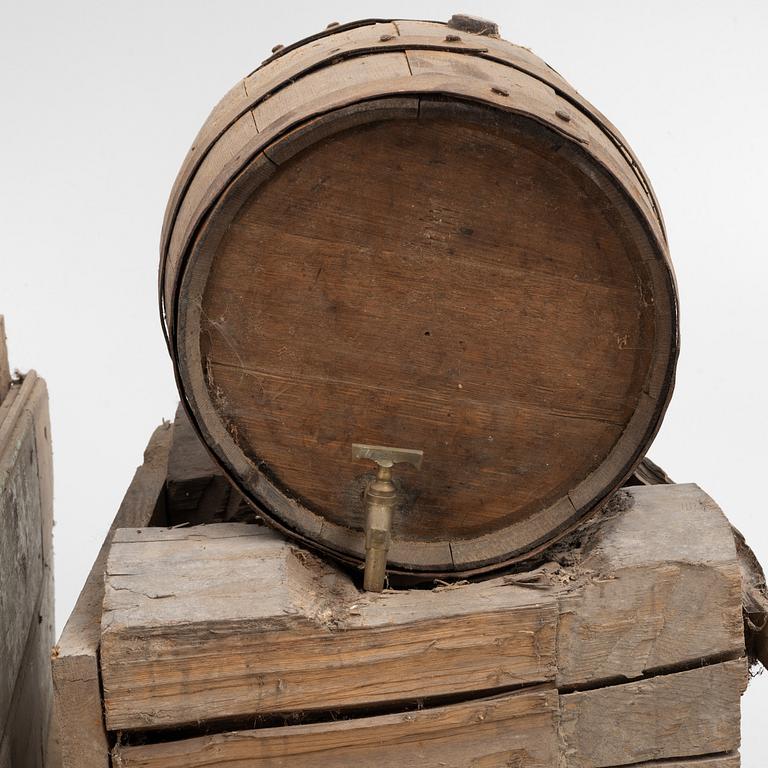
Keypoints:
pixel 78 707
pixel 22 569
pixel 25 741
pixel 663 587
pixel 315 369
pixel 291 634
pixel 754 591
pixel 368 146
pixel 517 729
pixel 228 621
pixel 687 713
pixel 672 716
pixel 5 371
pixel 26 572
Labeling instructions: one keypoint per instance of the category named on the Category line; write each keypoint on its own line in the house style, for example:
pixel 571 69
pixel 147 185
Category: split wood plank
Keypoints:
pixel 227 621
pixel 5 371
pixel 673 716
pixel 754 594
pixel 513 730
pixel 26 522
pixel 679 715
pixel 663 587
pixel 78 707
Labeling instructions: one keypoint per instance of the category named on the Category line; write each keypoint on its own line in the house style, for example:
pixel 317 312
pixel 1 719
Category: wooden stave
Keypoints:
pixel 171 270
pixel 653 224
pixel 227 113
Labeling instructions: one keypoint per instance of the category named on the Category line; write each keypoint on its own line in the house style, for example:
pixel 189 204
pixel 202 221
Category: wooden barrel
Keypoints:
pixel 416 234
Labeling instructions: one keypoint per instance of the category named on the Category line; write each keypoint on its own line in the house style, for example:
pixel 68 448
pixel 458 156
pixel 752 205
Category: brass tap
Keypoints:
pixel 380 501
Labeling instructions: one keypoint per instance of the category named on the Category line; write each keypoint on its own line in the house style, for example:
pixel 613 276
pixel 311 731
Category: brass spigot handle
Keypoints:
pixel 380 502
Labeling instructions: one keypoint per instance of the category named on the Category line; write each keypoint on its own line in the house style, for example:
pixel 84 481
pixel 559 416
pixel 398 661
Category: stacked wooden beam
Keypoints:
pixel 224 644
pixel 26 568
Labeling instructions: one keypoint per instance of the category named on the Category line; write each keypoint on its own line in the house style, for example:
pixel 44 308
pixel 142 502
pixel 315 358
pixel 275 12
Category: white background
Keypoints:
pixel 99 102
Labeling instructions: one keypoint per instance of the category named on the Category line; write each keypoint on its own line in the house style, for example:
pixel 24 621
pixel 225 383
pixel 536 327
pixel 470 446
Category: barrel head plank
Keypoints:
pixel 78 706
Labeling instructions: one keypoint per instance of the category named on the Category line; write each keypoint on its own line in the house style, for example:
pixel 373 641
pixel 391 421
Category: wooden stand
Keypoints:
pixel 224 644
pixel 26 569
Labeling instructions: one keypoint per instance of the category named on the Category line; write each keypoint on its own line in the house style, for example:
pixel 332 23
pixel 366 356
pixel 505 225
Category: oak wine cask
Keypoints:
pixel 416 234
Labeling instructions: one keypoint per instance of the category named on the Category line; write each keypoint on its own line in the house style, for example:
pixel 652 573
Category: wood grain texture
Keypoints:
pixel 244 95
pixel 309 87
pixel 654 593
pixel 309 641
pixel 77 687
pixel 513 730
pixel 5 371
pixel 21 551
pixel 649 473
pixel 224 152
pixel 524 60
pixel 26 736
pixel 26 573
pixel 754 592
pixel 185 639
pixel 26 522
pixel 613 154
pixel 687 713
